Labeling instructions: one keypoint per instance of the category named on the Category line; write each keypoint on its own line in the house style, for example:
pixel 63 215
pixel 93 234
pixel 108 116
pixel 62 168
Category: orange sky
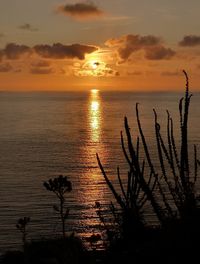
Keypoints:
pixel 109 45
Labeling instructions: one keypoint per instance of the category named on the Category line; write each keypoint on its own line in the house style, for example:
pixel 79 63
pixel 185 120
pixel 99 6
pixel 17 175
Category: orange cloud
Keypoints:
pixel 171 73
pixel 152 46
pixel 6 67
pixel 190 41
pixel 41 70
pixel 41 67
pixel 81 11
pixel 41 63
pixel 101 69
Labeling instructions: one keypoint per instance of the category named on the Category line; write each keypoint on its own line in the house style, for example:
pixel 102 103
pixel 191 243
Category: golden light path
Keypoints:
pixel 95 115
pixel 92 189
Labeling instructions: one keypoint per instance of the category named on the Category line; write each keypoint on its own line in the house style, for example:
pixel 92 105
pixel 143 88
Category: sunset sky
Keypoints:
pixel 105 44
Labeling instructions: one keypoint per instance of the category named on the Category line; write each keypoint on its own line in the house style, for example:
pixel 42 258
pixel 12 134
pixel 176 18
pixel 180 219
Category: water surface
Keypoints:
pixel 43 135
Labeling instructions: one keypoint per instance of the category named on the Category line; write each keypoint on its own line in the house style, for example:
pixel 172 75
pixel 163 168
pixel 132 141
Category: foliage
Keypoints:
pixel 60 186
pixel 169 189
pixel 22 227
pixel 57 250
pixel 110 220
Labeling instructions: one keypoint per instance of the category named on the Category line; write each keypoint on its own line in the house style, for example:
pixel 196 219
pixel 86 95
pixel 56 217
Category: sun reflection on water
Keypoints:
pixel 92 189
pixel 95 115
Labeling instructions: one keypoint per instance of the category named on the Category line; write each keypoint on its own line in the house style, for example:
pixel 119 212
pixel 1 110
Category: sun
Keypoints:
pixel 94 64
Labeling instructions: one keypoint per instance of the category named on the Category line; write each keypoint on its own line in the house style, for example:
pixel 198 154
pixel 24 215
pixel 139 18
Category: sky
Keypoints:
pixel 53 45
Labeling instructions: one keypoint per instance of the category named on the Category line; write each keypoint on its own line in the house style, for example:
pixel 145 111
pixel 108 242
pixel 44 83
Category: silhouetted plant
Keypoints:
pixel 93 240
pixel 70 250
pixel 184 175
pixel 145 183
pixel 110 223
pixel 60 186
pixel 22 227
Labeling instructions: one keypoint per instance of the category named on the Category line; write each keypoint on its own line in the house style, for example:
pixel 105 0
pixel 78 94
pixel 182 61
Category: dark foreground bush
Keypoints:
pixel 13 257
pixel 69 250
pixel 170 191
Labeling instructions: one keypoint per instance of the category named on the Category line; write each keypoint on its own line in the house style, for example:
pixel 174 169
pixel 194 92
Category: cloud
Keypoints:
pixel 81 11
pixel 60 51
pixel 14 51
pixel 41 70
pixel 134 73
pixel 129 44
pixel 41 63
pixel 190 41
pixel 6 67
pixel 102 70
pixel 28 27
pixel 41 67
pixel 159 53
pixel 171 73
pixel 1 55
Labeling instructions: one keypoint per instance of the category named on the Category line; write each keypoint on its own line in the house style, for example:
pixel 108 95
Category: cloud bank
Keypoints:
pixel 151 45
pixel 190 41
pixel 13 51
pixel 60 51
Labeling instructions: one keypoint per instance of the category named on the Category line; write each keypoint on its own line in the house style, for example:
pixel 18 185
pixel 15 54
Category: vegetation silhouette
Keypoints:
pixel 60 186
pixel 66 249
pixel 22 227
pixel 69 249
pixel 171 190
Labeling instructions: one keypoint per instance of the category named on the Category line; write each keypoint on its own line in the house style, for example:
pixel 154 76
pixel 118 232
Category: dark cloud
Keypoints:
pixel 41 70
pixel 131 43
pixel 5 67
pixel 152 45
pixel 28 27
pixel 14 51
pixel 60 51
pixel 159 53
pixel 85 10
pixel 190 41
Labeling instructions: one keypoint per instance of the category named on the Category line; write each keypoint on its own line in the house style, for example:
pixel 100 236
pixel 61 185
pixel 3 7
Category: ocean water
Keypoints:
pixel 43 135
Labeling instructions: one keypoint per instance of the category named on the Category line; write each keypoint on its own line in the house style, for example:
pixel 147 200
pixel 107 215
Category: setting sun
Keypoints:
pixel 94 91
pixel 94 65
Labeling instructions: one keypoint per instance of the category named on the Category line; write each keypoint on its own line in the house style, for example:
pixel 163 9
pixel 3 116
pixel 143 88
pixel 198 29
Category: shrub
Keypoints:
pixel 60 186
pixel 170 190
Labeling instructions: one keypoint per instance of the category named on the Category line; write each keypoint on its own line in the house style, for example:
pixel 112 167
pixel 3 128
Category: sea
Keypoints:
pixel 47 134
